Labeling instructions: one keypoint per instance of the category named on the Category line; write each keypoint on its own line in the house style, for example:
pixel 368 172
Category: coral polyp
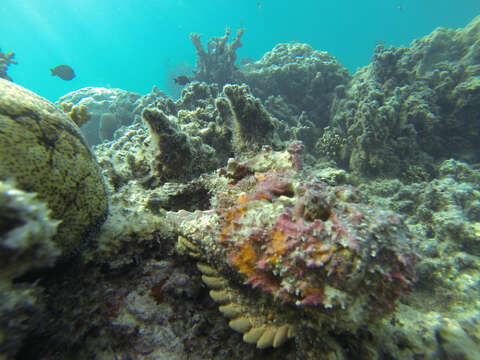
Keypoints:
pixel 300 244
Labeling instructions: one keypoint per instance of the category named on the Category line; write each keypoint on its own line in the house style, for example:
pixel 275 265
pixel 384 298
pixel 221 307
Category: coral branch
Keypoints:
pixel 216 64
pixel 5 61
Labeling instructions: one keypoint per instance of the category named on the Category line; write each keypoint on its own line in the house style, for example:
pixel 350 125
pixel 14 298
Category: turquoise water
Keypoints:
pixel 133 44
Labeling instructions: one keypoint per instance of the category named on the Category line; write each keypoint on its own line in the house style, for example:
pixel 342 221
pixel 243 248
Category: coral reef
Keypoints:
pixel 227 238
pixel 411 108
pixel 307 80
pixel 193 135
pixel 216 64
pixel 444 308
pixel 5 61
pixel 44 152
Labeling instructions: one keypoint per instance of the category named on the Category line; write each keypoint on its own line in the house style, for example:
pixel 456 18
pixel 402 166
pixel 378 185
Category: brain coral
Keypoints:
pixel 282 251
pixel 44 152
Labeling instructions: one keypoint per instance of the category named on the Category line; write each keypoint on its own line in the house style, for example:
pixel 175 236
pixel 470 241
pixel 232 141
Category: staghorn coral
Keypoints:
pixel 5 61
pixel 307 250
pixel 216 64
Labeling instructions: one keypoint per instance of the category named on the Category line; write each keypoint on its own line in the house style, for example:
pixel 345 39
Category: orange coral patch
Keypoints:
pixel 245 259
pixel 242 199
pixel 278 242
pixel 259 176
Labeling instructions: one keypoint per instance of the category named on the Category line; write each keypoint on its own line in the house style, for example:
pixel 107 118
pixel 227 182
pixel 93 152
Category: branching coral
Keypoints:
pixel 5 61
pixel 216 64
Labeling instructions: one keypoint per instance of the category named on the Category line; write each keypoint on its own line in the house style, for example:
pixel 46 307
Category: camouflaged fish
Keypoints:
pixel 285 254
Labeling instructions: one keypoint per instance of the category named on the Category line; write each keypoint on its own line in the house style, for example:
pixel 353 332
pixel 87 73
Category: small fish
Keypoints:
pixel 259 4
pixel 182 80
pixel 400 7
pixel 64 72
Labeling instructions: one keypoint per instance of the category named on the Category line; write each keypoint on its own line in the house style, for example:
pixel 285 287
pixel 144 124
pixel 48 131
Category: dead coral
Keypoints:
pixel 216 64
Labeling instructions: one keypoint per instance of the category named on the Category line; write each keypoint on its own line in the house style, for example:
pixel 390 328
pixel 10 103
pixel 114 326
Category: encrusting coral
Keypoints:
pixel 252 124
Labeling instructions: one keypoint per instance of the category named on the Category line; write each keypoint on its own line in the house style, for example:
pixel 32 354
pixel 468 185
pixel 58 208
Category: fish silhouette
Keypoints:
pixel 64 72
pixel 182 80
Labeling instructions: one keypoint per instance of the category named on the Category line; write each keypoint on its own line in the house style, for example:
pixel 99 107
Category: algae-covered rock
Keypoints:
pixel 44 152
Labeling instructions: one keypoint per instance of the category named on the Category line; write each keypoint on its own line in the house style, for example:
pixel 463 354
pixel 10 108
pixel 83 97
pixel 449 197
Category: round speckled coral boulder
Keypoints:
pixel 43 151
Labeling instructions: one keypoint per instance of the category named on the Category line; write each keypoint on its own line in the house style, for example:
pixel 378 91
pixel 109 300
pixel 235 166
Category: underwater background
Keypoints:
pixel 134 45
pixel 258 180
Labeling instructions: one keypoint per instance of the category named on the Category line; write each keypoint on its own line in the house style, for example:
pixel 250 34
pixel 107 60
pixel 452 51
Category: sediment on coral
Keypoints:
pixel 252 126
pixel 180 157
